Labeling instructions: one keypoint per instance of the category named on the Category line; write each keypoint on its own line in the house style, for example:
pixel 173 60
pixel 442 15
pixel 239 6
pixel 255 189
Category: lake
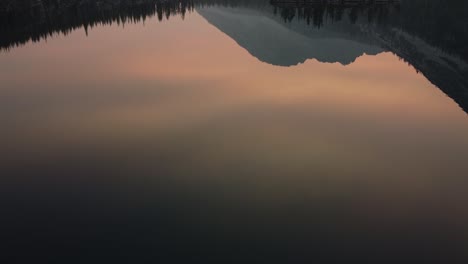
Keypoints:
pixel 146 131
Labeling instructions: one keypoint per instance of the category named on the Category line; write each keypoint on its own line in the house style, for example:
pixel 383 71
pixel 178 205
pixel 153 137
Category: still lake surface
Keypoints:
pixel 232 127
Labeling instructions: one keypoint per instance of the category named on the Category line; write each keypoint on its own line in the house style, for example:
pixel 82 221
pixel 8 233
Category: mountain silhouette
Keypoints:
pixel 282 33
pixel 273 42
pixel 340 35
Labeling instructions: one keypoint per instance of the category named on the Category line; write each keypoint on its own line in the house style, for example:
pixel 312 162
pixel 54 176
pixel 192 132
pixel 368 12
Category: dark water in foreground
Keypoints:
pixel 231 131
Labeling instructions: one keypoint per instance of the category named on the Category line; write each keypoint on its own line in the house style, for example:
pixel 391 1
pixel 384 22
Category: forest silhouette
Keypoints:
pixel 99 176
pixel 35 20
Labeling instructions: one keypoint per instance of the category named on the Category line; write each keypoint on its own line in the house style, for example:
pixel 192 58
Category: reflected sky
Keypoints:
pixel 180 108
pixel 187 80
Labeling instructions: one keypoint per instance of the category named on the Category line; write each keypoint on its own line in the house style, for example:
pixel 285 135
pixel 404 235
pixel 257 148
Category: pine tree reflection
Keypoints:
pixel 35 20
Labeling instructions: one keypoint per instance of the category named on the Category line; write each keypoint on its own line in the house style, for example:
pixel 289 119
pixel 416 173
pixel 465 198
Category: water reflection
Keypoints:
pixel 351 30
pixel 171 137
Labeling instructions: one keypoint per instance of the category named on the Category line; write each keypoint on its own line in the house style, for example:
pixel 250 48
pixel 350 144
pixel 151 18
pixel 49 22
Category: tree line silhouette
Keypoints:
pixel 442 24
pixel 317 13
pixel 32 20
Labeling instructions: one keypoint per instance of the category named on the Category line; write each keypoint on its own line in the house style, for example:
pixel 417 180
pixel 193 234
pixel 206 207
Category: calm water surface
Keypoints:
pixel 202 131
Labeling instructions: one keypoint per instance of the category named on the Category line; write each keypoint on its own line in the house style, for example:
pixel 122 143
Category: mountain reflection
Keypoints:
pixel 203 136
pixel 364 28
